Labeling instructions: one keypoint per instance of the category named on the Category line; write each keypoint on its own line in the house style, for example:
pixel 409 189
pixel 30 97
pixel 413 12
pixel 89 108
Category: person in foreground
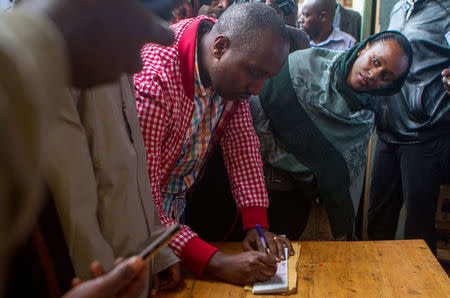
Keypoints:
pixel 314 124
pixel 44 52
pixel 190 97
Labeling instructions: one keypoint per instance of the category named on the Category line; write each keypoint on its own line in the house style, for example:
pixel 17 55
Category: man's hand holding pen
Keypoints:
pixel 257 263
pixel 274 242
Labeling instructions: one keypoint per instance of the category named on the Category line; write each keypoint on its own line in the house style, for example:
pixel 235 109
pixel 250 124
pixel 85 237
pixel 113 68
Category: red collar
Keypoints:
pixel 186 48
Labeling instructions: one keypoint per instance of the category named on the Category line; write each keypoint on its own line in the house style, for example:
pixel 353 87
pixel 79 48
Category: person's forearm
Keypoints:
pixel 196 255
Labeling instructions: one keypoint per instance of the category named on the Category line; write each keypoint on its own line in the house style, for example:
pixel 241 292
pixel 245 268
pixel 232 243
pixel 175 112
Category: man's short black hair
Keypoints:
pixel 245 23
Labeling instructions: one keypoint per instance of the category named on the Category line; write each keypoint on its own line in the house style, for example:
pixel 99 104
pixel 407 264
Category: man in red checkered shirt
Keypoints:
pixel 194 94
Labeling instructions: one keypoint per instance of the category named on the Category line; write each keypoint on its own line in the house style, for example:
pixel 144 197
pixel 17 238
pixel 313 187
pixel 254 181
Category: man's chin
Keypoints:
pixel 237 97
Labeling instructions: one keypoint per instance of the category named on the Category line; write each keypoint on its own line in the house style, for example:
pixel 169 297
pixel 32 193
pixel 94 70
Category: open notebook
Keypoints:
pixel 279 283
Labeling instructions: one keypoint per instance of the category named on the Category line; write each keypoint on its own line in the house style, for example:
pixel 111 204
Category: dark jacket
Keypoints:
pixel 349 21
pixel 421 111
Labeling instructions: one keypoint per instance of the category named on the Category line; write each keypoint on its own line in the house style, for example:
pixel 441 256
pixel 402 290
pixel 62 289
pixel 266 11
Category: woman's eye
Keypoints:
pixel 375 61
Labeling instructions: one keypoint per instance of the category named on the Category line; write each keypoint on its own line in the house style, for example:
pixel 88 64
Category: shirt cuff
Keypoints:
pixel 196 254
pixel 251 216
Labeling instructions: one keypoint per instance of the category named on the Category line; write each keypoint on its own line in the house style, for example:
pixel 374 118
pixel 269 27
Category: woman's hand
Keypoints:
pixel 446 79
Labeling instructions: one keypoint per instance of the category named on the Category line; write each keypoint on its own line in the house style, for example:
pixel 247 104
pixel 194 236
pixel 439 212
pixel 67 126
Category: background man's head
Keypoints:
pixel 248 44
pixel 317 17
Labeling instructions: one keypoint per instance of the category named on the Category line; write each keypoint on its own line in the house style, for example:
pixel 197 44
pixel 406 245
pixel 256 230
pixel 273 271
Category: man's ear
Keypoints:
pixel 221 44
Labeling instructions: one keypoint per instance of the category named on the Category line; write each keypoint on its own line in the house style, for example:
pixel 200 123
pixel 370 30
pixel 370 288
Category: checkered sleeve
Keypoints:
pixel 240 146
pixel 154 112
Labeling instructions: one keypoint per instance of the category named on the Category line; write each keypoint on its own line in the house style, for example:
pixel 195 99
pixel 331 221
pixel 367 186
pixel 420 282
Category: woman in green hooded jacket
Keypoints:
pixel 314 123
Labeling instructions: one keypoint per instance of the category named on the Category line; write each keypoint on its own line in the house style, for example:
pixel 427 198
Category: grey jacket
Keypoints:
pixel 99 179
pixel 421 111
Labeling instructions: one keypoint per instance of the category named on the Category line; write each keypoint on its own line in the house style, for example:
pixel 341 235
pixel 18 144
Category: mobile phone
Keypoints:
pixel 153 245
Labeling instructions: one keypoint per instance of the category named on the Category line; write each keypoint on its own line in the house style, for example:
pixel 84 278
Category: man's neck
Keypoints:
pixel 322 36
pixel 204 45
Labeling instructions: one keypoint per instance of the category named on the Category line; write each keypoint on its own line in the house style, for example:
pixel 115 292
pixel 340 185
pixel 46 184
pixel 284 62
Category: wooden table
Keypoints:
pixel 346 269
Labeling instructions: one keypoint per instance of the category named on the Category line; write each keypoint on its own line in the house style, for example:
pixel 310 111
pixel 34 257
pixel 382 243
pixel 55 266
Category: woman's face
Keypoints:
pixel 377 66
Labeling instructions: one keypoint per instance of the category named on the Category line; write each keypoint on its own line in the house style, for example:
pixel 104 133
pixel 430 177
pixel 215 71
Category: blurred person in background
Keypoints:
pixel 316 20
pixel 190 8
pixel 216 8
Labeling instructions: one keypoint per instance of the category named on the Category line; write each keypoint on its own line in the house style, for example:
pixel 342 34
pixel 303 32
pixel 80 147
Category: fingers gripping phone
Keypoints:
pixel 154 244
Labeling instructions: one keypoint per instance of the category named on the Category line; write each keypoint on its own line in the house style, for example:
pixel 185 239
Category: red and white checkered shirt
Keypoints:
pixel 164 100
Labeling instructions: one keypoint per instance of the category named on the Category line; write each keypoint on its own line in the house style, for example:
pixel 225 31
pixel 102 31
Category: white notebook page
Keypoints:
pixel 279 283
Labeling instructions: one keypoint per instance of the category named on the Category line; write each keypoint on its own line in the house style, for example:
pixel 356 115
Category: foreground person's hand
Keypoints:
pixel 276 243
pixel 244 268
pixel 127 279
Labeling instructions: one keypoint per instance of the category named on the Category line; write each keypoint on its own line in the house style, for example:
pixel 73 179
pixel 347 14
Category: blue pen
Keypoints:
pixel 263 239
